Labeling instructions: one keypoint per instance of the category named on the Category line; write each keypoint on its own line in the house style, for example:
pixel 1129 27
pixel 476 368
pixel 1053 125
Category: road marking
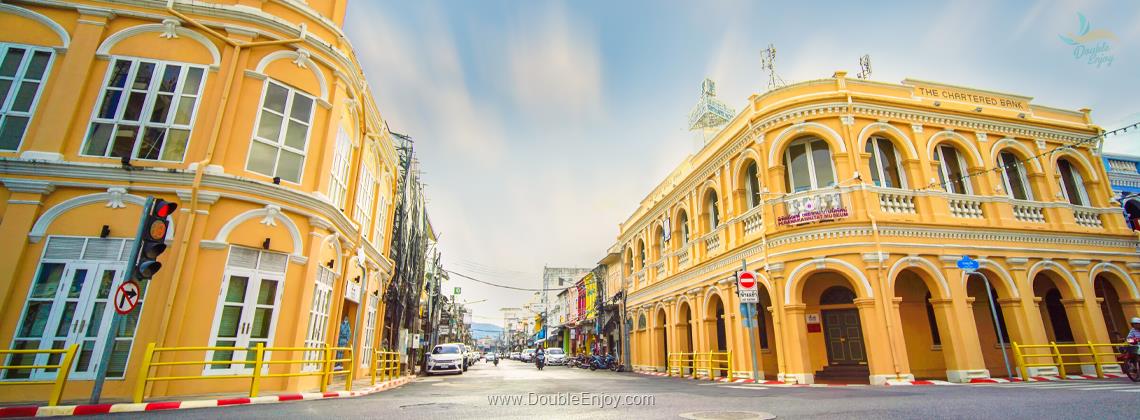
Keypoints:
pixel 1128 390
pixel 1105 387
pixel 745 387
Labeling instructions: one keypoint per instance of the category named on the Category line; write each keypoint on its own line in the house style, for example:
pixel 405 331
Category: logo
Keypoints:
pixel 1091 45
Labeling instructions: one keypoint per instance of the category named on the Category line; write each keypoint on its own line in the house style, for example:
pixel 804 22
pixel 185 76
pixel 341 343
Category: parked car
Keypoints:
pixel 446 358
pixel 527 356
pixel 491 357
pixel 515 355
pixel 555 357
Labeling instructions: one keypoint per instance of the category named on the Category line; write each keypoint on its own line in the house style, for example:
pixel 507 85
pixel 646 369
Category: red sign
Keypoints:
pixel 747 280
pixel 127 297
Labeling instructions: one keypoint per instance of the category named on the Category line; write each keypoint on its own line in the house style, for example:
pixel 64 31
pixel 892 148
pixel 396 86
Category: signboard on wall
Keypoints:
pixel 815 207
pixel 813 324
pixel 352 291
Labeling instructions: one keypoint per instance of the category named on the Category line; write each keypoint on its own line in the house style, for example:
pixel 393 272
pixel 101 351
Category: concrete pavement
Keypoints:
pixel 518 390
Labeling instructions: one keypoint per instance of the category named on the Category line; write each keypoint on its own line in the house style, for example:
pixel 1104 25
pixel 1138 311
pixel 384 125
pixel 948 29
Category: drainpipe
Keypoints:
pixel 887 306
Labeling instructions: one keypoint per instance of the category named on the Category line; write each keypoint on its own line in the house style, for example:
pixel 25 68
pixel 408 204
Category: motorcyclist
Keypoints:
pixel 1135 332
pixel 539 357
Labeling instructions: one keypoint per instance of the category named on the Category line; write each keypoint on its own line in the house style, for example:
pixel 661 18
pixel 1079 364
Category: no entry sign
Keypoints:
pixel 127 297
pixel 746 287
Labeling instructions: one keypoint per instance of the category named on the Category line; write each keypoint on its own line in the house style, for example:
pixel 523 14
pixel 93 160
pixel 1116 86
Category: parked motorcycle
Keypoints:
pixel 1129 359
pixel 583 362
pixel 613 363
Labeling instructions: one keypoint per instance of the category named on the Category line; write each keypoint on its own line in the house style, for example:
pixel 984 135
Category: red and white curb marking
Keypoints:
pixel 89 409
pixel 1040 379
pixel 897 383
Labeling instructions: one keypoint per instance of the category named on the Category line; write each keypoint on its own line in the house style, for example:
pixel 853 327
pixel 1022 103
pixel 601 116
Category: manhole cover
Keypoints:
pixel 728 415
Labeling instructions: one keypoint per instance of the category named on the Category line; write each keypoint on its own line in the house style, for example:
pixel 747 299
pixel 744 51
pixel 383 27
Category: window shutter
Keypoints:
pixel 103 249
pixel 62 248
pixel 273 262
pixel 242 258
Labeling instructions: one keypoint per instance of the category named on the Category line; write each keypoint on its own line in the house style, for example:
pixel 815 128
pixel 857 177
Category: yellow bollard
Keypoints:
pixel 1096 361
pixel 728 355
pixel 326 371
pixel 258 362
pixel 348 370
pixel 1020 361
pixel 144 372
pixel 61 374
pixel 1058 360
pixel 372 367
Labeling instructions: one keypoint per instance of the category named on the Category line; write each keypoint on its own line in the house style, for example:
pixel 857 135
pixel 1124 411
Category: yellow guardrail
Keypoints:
pixel 327 364
pixel 62 369
pixel 1057 358
pixel 676 363
pixel 386 365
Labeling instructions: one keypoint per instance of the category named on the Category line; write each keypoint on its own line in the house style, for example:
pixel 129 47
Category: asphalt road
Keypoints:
pixel 547 394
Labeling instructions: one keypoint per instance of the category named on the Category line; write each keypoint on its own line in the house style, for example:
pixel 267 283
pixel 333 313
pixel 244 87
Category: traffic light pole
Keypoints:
pixel 116 319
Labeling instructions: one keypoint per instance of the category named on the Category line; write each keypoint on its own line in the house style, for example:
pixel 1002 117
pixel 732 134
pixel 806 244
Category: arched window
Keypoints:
pixel 1013 173
pixel 683 224
pixel 660 242
pixel 628 261
pixel 1071 183
pixel 713 209
pixel 752 184
pixel 641 253
pixel 837 295
pixel 951 170
pixel 809 165
pixel 885 170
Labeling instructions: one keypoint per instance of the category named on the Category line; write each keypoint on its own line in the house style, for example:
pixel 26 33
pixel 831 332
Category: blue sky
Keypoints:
pixel 542 125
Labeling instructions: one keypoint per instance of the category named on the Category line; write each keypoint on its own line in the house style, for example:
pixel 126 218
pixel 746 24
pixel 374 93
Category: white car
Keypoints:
pixel 446 358
pixel 527 356
pixel 555 357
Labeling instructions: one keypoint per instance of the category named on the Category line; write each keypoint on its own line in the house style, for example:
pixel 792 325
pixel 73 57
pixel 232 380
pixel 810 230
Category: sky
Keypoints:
pixel 541 125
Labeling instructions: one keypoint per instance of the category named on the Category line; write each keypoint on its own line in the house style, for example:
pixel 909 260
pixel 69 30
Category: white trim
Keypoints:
pixel 294 232
pixel 1087 166
pixel 39 229
pixel 1042 265
pixel 933 141
pixel 1115 269
pixel 877 127
pixel 17 82
pixel 279 143
pixel 294 55
pixel 64 38
pixel 916 260
pixel 821 263
pixel 1001 144
pixel 335 243
pixel 104 50
pixel 799 128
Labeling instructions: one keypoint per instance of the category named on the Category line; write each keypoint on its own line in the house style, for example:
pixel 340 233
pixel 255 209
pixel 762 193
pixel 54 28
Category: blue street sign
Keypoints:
pixel 746 317
pixel 968 264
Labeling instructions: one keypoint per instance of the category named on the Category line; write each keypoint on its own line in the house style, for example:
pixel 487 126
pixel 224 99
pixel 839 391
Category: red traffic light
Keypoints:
pixel 163 208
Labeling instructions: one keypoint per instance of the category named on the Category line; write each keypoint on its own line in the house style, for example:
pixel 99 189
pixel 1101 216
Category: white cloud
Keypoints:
pixel 555 67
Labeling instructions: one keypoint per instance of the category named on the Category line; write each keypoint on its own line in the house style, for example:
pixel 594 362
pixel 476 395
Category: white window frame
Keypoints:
pixel 1019 168
pixel 249 310
pixel 369 329
pixel 879 170
pixel 17 80
pixel 338 179
pixel 1078 183
pixel 945 170
pixel 151 96
pixel 365 198
pixel 810 158
pixel 684 222
pixel 316 336
pixel 754 199
pixel 279 143
pixel 379 224
pixel 712 206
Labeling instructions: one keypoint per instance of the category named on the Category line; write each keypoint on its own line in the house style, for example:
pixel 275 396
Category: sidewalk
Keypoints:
pixel 361 387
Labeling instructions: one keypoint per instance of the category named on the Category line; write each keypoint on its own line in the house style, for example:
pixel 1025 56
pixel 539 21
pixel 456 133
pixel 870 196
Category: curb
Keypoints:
pixel 919 382
pixel 90 409
pixel 1042 379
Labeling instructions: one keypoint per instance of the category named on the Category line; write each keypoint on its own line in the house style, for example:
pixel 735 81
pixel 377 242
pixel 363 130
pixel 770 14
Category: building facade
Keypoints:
pixel 254 117
pixel 853 200
pixel 1124 176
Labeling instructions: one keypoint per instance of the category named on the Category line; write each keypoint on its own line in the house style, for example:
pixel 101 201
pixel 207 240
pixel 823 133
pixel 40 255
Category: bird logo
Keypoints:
pixel 1085 35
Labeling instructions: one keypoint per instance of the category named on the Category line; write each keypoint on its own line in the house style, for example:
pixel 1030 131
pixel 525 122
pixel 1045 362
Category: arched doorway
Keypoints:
pixel 836 351
pixel 663 336
pixel 685 328
pixel 1053 292
pixel 985 312
pixel 1115 320
pixel 763 335
pixel 920 325
pixel 716 331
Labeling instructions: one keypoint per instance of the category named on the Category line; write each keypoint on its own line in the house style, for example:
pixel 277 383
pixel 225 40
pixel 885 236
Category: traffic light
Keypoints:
pixel 152 238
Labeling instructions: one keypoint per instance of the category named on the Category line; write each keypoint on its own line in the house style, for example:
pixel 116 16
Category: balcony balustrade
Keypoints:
pixel 1026 211
pixel 896 202
pixel 965 207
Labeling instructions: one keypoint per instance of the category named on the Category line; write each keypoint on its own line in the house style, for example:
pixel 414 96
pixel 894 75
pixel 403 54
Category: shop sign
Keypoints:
pixel 821 206
pixel 352 291
pixel 813 324
pixel 968 96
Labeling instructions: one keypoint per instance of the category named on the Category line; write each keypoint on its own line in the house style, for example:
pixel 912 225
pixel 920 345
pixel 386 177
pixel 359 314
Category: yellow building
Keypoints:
pixel 853 200
pixel 255 118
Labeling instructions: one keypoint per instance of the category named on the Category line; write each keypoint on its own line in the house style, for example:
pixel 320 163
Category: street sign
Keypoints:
pixel 456 291
pixel 747 318
pixel 127 297
pixel 746 287
pixel 968 265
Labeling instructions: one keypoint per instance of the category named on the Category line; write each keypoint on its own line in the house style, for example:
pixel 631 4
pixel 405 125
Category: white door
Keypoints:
pixel 247 308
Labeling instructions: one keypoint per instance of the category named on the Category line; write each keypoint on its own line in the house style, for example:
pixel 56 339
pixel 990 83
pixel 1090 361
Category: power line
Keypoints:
pixel 999 168
pixel 525 289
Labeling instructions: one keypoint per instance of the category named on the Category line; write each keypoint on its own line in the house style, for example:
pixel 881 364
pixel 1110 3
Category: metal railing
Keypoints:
pixel 257 367
pixel 711 361
pixel 1057 358
pixel 385 365
pixel 62 369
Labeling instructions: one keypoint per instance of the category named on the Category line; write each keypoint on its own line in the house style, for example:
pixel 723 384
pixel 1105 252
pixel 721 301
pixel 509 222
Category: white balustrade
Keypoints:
pixel 1087 218
pixel 899 202
pixel 753 220
pixel 683 257
pixel 660 270
pixel 965 207
pixel 712 242
pixel 1029 212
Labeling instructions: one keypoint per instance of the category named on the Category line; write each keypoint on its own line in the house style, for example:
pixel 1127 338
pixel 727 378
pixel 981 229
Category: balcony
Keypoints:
pixel 965 206
pixel 753 220
pixel 640 277
pixel 712 242
pixel 1028 211
pixel 659 269
pixel 683 256
pixel 1087 217
pixel 896 201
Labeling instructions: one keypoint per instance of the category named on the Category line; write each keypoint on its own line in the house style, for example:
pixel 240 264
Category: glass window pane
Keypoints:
pixel 223 355
pixel 890 164
pixel 98 138
pixel 124 142
pixel 175 144
pixel 267 293
pixel 228 325
pixel 12 132
pixel 275 96
pixel 235 293
pixel 1012 174
pixel 1069 182
pixel 35 319
pixel 96 319
pixel 161 108
pixel 170 78
pixel 65 319
pixel 270 126
pixel 5 86
pixel 876 178
pixel 119 73
pixel 261 321
pixel 110 103
pixel 37 66
pixel 289 166
pixel 296 135
pixel 821 157
pixel 800 175
pixel 193 81
pixel 953 165
pixel 142 77
pixel 185 110
pixel 25 96
pixel 151 143
pixel 262 158
pixel 105 283
pixel 302 107
pixel 11 62
pixel 78 278
pixel 134 106
pixel 118 363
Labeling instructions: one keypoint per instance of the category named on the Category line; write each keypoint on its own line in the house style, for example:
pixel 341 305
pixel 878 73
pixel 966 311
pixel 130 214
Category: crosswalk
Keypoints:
pixel 1075 385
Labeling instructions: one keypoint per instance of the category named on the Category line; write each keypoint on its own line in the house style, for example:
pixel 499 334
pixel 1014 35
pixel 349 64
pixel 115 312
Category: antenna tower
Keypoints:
pixel 865 67
pixel 768 62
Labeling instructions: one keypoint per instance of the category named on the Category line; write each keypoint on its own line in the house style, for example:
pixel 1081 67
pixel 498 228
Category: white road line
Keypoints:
pixel 745 387
pixel 1128 390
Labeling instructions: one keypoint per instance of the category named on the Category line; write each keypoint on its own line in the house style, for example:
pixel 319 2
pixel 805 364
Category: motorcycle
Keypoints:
pixel 1129 359
pixel 540 360
pixel 583 362
pixel 496 361
pixel 613 363
pixel 597 362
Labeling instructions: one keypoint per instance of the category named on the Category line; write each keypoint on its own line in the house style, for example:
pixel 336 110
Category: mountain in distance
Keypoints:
pixel 485 330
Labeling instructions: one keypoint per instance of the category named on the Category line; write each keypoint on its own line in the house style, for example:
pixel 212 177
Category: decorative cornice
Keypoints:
pixel 32 186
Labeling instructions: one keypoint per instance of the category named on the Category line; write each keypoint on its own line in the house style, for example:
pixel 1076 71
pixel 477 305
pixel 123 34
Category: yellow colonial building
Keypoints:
pixel 254 117
pixel 853 200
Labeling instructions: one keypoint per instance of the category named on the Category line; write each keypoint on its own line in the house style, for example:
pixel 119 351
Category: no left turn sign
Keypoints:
pixel 127 297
